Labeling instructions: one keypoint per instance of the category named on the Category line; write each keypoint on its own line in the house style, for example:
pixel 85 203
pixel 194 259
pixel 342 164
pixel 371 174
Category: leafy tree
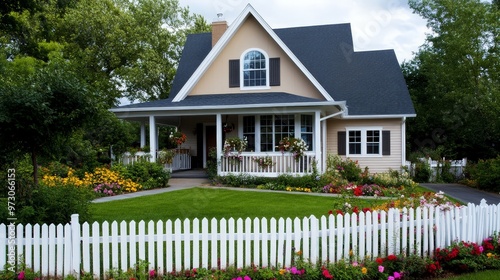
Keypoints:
pixel 127 48
pixel 41 105
pixel 454 79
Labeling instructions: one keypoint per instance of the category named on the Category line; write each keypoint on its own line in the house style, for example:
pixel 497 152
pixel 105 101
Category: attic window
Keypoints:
pixel 254 69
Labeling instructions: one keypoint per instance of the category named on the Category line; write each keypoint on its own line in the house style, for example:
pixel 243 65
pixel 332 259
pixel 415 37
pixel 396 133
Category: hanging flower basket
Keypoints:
pixel 296 146
pixel 178 138
pixel 233 147
pixel 264 162
pixel 166 156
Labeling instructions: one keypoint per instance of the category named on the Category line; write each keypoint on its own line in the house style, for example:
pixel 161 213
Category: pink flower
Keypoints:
pixel 397 275
pixel 21 275
pixel 380 269
pixel 152 273
pixel 293 270
pixel 481 249
pixel 355 264
pixel 390 278
pixel 247 277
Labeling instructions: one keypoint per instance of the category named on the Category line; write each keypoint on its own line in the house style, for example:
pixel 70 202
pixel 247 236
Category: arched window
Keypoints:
pixel 255 69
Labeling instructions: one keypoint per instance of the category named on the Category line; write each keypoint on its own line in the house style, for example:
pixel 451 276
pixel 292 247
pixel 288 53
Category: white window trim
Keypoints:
pixel 363 130
pixel 297 133
pixel 242 81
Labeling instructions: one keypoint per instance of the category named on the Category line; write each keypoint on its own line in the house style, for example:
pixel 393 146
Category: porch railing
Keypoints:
pixel 246 163
pixel 181 160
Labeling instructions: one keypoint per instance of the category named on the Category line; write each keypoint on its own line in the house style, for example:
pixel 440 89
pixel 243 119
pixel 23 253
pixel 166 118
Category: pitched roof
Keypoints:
pixel 371 82
pixel 233 99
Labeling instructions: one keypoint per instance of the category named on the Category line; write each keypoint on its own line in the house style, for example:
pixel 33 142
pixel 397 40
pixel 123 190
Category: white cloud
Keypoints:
pixel 376 24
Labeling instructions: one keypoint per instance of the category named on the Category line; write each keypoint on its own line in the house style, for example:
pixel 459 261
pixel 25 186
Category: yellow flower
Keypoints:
pixel 364 270
pixel 489 255
pixel 282 271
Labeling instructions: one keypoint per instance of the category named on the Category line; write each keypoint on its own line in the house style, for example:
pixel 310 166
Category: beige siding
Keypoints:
pixel 251 35
pixel 375 164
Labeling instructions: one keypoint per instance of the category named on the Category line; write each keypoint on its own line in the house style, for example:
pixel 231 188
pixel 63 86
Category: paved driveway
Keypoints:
pixel 464 193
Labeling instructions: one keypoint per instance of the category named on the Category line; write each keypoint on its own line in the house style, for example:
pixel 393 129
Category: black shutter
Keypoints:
pixel 234 73
pixel 386 143
pixel 341 143
pixel 274 71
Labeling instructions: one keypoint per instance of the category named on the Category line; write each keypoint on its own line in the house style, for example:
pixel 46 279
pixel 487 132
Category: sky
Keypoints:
pixel 376 24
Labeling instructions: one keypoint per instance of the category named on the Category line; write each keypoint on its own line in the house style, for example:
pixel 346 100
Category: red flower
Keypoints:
pixel 330 212
pixel 379 260
pixel 355 210
pixel 327 274
pixel 340 212
pixel 488 246
pixel 392 257
pixel 358 191
pixel 366 209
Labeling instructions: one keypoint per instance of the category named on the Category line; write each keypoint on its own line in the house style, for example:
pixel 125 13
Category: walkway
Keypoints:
pixel 464 193
pixel 175 184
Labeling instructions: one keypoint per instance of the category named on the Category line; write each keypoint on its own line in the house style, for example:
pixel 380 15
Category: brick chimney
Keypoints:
pixel 219 26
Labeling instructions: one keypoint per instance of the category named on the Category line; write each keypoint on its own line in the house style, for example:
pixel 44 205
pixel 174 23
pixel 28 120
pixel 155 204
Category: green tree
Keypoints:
pixel 41 105
pixel 454 79
pixel 127 48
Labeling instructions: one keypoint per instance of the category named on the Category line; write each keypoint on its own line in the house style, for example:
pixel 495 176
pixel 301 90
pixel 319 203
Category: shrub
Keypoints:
pixel 149 174
pixel 346 170
pixel 486 174
pixel 422 172
pixel 212 164
pixel 55 204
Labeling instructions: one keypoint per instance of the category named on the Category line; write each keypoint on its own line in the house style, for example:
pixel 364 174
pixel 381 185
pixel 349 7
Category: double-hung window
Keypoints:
pixel 364 141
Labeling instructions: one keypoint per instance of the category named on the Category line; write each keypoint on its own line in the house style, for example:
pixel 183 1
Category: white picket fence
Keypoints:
pixel 457 167
pixel 176 245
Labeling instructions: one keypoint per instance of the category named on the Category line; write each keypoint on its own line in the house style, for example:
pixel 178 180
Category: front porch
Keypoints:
pixel 245 163
pixel 262 128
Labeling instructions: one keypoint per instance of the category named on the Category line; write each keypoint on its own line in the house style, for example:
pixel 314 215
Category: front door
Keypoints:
pixel 211 139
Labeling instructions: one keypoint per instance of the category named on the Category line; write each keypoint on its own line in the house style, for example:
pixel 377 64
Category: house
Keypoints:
pixel 250 81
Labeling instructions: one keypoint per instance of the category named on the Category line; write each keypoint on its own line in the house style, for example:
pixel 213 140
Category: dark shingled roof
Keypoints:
pixel 227 100
pixel 371 82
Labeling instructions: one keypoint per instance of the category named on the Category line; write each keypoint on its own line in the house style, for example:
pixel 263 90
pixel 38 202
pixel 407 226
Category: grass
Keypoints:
pixel 215 203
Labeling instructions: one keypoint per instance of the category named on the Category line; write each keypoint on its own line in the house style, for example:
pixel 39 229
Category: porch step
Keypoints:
pixel 191 173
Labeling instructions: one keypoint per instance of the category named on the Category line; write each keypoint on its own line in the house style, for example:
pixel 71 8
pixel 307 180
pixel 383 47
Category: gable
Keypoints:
pixel 251 35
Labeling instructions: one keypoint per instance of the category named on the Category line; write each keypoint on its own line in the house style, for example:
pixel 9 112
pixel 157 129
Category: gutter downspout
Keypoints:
pixel 342 111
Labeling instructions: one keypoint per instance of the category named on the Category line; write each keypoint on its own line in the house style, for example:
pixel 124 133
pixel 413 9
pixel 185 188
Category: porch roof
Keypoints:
pixel 235 100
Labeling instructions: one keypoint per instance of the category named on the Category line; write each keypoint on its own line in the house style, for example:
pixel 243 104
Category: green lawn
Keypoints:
pixel 215 203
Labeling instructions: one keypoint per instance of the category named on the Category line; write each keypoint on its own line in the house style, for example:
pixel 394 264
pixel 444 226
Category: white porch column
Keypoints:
pixel 143 135
pixel 218 131
pixel 152 137
pixel 318 140
pixel 403 141
pixel 324 140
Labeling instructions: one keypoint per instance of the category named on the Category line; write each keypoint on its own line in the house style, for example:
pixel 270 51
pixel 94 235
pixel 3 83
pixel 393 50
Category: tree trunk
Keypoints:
pixel 35 168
